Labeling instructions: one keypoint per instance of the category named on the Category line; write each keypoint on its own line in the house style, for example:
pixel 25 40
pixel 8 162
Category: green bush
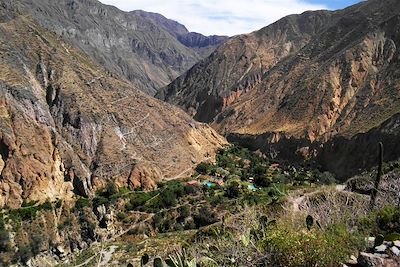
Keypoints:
pixel 204 168
pixel 137 200
pixel 167 198
pixel 111 188
pixel 327 178
pixel 190 190
pixel 184 212
pixel 290 246
pixel 381 222
pixel 46 206
pixel 144 201
pixel 24 214
pixel 388 219
pixel 81 203
pixel 225 161
pixel 233 190
pixel 204 217
pixel 216 200
pixel 257 198
pixel 262 180
pixel 100 200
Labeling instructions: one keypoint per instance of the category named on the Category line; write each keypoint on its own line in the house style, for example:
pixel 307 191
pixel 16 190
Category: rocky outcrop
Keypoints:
pixel 67 126
pixel 310 80
pixel 138 48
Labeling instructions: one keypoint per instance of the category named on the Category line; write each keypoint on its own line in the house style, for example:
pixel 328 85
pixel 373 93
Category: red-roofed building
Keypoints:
pixel 274 166
pixel 193 182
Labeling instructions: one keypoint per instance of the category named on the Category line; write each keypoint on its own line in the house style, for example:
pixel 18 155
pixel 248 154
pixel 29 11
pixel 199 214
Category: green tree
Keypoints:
pixel 233 189
pixel 204 217
pixel 167 198
pixel 4 240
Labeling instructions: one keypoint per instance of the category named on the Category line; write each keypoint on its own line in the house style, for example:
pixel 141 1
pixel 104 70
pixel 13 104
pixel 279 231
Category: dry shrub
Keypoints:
pixel 330 206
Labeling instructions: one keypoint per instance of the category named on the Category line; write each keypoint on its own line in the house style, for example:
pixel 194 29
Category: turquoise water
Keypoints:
pixel 251 187
pixel 209 184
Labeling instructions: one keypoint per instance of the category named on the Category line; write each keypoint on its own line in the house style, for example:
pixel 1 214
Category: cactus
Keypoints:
pixel 157 262
pixel 144 260
pixel 309 222
pixel 374 191
pixel 180 259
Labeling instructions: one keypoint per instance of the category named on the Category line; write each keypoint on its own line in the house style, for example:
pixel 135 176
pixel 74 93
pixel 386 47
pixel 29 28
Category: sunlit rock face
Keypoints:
pixel 68 127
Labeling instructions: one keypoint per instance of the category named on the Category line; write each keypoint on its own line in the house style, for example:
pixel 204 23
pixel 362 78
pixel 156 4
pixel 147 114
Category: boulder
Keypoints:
pixel 375 260
pixel 395 250
pixel 382 248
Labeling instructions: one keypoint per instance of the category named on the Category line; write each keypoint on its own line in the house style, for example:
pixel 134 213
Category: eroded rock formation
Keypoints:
pixel 67 126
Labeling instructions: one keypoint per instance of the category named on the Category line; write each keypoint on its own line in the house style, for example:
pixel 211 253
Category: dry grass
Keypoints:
pixel 330 206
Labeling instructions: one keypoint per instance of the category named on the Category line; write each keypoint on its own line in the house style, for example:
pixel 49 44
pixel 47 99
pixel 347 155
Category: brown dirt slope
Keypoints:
pixel 67 125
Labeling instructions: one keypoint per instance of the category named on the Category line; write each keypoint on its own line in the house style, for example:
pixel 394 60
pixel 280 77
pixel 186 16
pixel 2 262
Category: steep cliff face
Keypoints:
pixel 133 46
pixel 337 76
pixel 67 125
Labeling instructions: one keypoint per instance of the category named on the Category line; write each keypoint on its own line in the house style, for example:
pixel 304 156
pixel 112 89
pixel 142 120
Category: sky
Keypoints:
pixel 227 17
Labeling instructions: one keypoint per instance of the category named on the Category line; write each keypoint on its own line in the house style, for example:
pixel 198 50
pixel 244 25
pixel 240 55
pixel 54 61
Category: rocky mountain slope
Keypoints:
pixel 203 45
pixel 136 47
pixel 68 126
pixel 306 79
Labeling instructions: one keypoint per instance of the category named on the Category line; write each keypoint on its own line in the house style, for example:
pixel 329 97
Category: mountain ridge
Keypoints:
pixel 131 46
pixel 203 45
pixel 312 76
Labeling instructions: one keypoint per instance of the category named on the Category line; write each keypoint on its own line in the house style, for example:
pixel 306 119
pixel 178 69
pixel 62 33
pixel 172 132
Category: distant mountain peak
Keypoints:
pixel 139 46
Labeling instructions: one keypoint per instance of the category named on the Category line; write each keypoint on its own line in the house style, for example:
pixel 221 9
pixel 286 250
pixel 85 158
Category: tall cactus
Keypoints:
pixel 374 192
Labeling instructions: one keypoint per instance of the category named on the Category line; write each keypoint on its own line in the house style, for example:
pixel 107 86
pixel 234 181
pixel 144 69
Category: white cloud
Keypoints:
pixel 222 17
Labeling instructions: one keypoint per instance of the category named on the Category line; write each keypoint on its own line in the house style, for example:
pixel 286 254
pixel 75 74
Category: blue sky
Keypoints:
pixel 334 4
pixel 227 17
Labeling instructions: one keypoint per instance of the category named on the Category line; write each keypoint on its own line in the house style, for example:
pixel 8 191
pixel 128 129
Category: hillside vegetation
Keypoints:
pixel 265 212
